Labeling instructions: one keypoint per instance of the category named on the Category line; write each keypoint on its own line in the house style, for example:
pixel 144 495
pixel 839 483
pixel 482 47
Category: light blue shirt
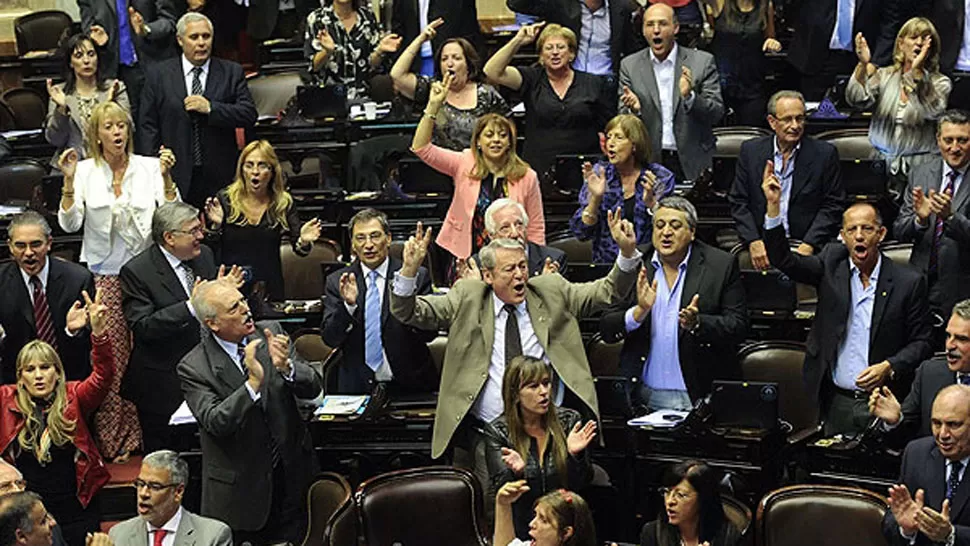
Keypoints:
pixel 383 372
pixel 853 355
pixel 785 173
pixel 963 57
pixel 834 40
pixel 594 55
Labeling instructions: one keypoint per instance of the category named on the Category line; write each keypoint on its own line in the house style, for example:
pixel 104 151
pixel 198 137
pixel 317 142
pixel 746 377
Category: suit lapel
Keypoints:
pixel 27 307
pixel 844 301
pixel 884 291
pixel 803 160
pixel 392 267
pixel 215 73
pixel 650 80
pixel 936 484
pixel 487 320
pixel 693 276
pixel 185 535
pixel 138 535
pixel 963 193
pixel 679 63
pixel 539 316
pixel 222 366
pixel 55 286
pixel 166 275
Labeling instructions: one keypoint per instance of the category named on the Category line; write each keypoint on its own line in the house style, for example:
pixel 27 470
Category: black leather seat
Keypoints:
pixel 41 30
pixel 28 107
pixel 809 515
pixel 328 498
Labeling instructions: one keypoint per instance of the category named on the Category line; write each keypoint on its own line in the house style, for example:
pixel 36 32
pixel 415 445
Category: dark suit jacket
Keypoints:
pixel 406 347
pixel 261 20
pixel 953 265
pixel 537 255
pixel 710 353
pixel 235 431
pixel 460 16
pixel 158 45
pixel 900 329
pixel 814 21
pixel 161 325
pixel 625 35
pixel 164 121
pixel 817 195
pixel 949 17
pixel 924 467
pixel 65 282
pixel 931 376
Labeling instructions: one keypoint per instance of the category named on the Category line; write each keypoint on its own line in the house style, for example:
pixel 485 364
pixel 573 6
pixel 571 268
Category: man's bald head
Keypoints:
pixel 11 480
pixel 950 421
pixel 660 28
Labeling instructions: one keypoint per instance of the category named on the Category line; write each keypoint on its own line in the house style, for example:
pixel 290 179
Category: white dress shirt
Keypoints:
pixel 383 372
pixel 667 82
pixel 785 172
pixel 179 269
pixel 170 527
pixel 963 57
pixel 187 72
pixel 42 275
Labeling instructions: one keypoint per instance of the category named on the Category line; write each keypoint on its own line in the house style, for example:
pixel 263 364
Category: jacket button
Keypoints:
pixel 643 359
pixel 470 397
pixel 484 375
pixel 458 418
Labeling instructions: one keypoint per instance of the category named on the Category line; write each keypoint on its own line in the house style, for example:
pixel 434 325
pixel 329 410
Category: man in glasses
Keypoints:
pixel 161 520
pixel 12 481
pixel 812 195
pixel 506 219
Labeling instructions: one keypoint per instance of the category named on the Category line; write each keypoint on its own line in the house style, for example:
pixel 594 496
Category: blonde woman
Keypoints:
pixel 112 194
pixel 44 431
pixel 907 97
pixel 247 219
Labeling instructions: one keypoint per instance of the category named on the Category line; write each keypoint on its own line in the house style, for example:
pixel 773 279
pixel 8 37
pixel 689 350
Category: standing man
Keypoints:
pixel 812 194
pixel 377 347
pixel 506 219
pixel 950 19
pixel 42 299
pixel 460 20
pixel 241 383
pixel 929 504
pixel 871 322
pixel 161 520
pixel 935 215
pixel 192 105
pixel 677 93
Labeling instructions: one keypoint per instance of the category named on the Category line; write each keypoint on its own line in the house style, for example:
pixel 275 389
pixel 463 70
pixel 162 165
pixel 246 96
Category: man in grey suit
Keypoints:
pixel 936 215
pixel 677 93
pixel 161 520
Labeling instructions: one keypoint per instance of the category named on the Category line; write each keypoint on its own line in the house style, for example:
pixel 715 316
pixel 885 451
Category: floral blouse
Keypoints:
pixel 455 126
pixel 349 63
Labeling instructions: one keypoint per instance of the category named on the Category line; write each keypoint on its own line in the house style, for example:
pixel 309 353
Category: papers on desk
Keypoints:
pixel 342 404
pixel 519 108
pixel 12 135
pixel 10 210
pixel 182 416
pixel 659 419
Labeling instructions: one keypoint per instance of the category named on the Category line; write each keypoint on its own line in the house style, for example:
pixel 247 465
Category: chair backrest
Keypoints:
pixel 273 92
pixel 431 506
pixel 730 139
pixel 7 120
pixel 577 252
pixel 329 495
pixel 40 30
pixel 852 143
pixel 21 180
pixel 815 514
pixel 897 252
pixel 805 293
pixel 604 358
pixel 302 275
pixel 28 107
pixel 737 513
pixel 781 362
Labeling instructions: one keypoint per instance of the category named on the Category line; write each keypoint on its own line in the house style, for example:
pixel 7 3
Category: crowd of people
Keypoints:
pixel 181 229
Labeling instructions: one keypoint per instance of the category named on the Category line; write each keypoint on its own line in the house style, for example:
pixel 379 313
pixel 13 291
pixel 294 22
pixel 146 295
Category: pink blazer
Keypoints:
pixel 456 235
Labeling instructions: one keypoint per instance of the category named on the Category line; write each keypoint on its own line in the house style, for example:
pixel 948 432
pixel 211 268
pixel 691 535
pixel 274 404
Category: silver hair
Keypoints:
pixel 166 459
pixel 191 17
pixel 4 463
pixel 954 116
pixel 498 205
pixel 783 94
pixel 29 218
pixel 962 309
pixel 679 203
pixel 170 217
pixel 203 304
pixel 487 254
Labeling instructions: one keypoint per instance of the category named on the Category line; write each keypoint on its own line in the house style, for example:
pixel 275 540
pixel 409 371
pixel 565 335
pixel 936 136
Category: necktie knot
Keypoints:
pixel 35 283
pixel 159 536
pixel 373 276
pixel 963 378
pixel 197 71
pixel 509 308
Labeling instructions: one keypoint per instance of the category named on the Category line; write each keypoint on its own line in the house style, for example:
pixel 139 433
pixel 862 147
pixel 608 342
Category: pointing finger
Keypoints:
pixel 694 301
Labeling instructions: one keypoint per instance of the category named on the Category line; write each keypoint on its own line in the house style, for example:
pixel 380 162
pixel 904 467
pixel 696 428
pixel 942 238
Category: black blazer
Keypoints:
pixel 65 281
pixel 235 432
pixel 924 467
pixel 460 16
pixel 711 352
pixel 262 14
pixel 625 35
pixel 406 347
pixel 537 255
pixel 900 327
pixel 158 45
pixel 817 195
pixel 813 22
pixel 949 17
pixel 931 376
pixel 164 121
pixel 161 325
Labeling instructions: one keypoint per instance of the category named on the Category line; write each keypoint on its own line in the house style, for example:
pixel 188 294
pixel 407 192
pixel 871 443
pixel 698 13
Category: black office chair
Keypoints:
pixel 28 107
pixel 20 182
pixel 41 30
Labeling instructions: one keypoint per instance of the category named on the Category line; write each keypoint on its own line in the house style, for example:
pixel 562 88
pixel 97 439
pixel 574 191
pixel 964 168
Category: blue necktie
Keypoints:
pixel 373 350
pixel 844 30
pixel 954 480
pixel 126 47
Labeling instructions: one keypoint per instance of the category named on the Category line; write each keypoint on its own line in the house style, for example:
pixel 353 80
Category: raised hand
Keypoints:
pixel 279 350
pixel 326 40
pixel 115 90
pixel 630 100
pixel 389 43
pixel 940 203
pixel 196 5
pixel 646 294
pixel 862 49
pixel 77 317
pixel 580 437
pixel 56 93
pixel 771 45
pixel 935 525
pixel 98 539
pixel 883 404
pixel 214 212
pixel 549 266
pixel 528 33
pixel 468 269
pixel 166 160
pixel 97 313
pixel 137 21
pixel 920 59
pixel 922 204
pixel 253 366
pixel 689 316
pixel 513 461
pixel 98 35
pixel 348 288
pixel 649 182
pixel 905 508
pixel 759 255
pixel 439 91
pixel 874 376
pixel 510 492
pixel 415 250
pixel 771 187
pixel 686 82
pixel 595 180
pixel 622 232
pixel 431 30
pixel 311 230
pixel 67 163
pixel 234 276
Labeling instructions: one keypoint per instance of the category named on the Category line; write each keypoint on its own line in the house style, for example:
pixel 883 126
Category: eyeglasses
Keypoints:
pixel 14 485
pixel 789 120
pixel 195 232
pixel 261 166
pixel 374 237
pixel 506 229
pixel 679 495
pixel 154 487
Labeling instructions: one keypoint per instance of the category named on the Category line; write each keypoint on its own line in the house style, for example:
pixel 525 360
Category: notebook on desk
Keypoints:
pixel 864 176
pixel 316 102
pixel 744 404
pixel 418 178
pixel 769 292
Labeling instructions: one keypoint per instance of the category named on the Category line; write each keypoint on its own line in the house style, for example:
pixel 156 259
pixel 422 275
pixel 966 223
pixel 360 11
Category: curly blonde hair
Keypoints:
pixel 280 199
pixel 35 437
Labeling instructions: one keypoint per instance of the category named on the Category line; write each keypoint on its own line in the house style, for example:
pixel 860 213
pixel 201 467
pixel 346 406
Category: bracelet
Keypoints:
pixel 65 193
pixel 432 117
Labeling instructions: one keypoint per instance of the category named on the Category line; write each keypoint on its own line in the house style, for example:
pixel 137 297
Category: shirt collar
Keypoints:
pixel 963 461
pixel 44 273
pixel 947 169
pixel 381 269
pixel 600 12
pixel 874 276
pixel 670 56
pixel 231 349
pixel 171 526
pixel 657 264
pixel 498 304
pixel 774 141
pixel 170 258
pixel 187 66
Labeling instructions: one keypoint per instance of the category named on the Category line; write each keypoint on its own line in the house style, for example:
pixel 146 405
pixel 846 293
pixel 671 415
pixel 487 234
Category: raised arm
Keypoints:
pixel 439 90
pixel 497 68
pixel 92 391
pixel 404 80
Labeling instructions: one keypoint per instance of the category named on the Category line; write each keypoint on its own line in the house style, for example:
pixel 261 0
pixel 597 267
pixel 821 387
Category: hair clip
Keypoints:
pixel 566 495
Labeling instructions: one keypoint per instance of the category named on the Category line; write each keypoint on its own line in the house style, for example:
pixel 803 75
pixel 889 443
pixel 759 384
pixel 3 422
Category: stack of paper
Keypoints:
pixel 659 419
pixel 342 404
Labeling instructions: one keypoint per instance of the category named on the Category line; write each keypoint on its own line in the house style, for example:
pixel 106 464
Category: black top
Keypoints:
pixel 255 246
pixel 737 51
pixel 563 126
pixel 55 481
pixel 727 535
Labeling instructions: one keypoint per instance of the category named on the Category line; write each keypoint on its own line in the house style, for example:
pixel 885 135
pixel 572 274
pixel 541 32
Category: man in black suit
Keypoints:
pixel 375 348
pixel 682 328
pixel 192 105
pixel 601 46
pixel 130 40
pixel 60 284
pixel 823 43
pixel 808 169
pixel 935 215
pixel 912 418
pixel 871 322
pixel 460 20
pixel 950 19
pixel 929 505
pixel 156 286
pixel 506 219
pixel 241 383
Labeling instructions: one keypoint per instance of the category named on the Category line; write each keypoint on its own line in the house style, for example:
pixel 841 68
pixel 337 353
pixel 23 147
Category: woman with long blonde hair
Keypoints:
pixel 248 219
pixel 44 432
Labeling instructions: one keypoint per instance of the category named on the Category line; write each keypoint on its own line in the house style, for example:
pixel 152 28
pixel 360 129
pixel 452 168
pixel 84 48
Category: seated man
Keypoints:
pixel 160 487
pixel 12 481
pixel 871 322
pixel 928 506
pixel 683 326
pixel 376 346
pixel 506 218
pixel 24 521
pixel 811 181
pixel 913 417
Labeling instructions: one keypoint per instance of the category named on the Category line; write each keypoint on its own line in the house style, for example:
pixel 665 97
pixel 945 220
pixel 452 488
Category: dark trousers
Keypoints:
pixel 134 79
pixel 671 160
pixel 844 412
pixel 960 95
pixel 748 111
pixel 837 62
pixel 201 188
pixel 155 430
pixel 287 516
